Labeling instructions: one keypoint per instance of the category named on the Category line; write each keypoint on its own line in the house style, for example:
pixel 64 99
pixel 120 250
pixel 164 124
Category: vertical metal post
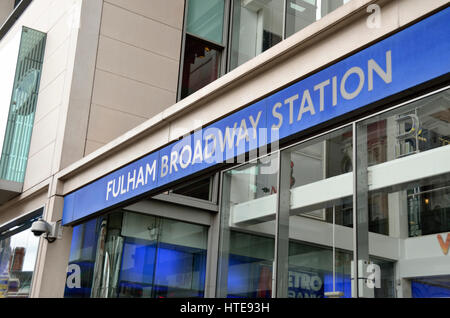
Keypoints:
pixel 283 35
pixel 355 292
pixel 334 248
pixel 224 238
pixel 281 261
pixel 360 207
pixel 212 255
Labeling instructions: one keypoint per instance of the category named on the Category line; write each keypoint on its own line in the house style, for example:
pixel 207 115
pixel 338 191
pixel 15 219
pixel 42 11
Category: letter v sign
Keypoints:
pixel 446 245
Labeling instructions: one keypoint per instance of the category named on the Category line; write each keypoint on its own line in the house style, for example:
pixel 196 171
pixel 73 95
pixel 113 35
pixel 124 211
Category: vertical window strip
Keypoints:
pixel 23 106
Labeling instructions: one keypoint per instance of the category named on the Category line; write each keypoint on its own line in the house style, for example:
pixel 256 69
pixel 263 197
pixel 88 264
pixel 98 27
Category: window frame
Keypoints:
pixel 5 232
pixel 223 65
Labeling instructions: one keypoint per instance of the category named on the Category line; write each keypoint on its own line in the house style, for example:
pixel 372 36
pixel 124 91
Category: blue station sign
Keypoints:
pixel 406 59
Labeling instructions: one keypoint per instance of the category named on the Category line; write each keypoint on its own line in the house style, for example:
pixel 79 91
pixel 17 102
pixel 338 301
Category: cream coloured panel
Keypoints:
pixel 138 64
pixel 39 166
pixel 44 132
pixel 50 97
pixel 91 146
pixel 127 95
pixel 140 31
pixel 169 12
pixel 106 124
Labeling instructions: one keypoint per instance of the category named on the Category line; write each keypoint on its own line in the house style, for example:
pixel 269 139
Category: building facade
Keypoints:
pixel 225 148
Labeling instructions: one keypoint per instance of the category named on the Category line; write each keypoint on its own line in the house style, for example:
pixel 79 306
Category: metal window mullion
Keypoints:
pixel 281 255
pixel 360 204
pixel 283 35
pixel 224 237
pixel 229 35
pixel 183 47
pixel 225 42
pixel 213 253
pixel 355 217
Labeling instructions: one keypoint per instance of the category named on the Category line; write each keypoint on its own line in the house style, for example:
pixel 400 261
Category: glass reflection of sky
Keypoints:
pixel 27 240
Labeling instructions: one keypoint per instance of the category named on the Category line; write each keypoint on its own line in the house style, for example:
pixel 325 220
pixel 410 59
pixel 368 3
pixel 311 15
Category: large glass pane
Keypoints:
pixel 405 155
pixel 205 19
pixel 434 287
pixel 23 105
pixel 248 213
pixel 257 26
pixel 411 139
pixel 311 272
pixel 83 250
pixel 201 65
pixel 162 258
pixel 320 217
pixel 18 252
pixel 126 254
pixel 301 13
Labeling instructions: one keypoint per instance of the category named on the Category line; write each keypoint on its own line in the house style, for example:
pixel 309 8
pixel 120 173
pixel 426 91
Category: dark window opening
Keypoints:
pixel 201 65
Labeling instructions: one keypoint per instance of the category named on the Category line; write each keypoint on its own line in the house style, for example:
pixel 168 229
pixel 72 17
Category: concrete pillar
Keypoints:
pixel 51 264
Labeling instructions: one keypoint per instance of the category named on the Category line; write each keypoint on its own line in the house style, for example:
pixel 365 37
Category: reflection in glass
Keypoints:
pixel 200 189
pixel 201 65
pixel 250 266
pixel 431 287
pixel 301 13
pixel 82 258
pixel 311 272
pixel 205 19
pixel 247 229
pixel 18 252
pixel 130 255
pixel 162 258
pixel 404 154
pixel 257 26
pixel 19 126
pixel 323 158
pixel 416 205
pixel 320 191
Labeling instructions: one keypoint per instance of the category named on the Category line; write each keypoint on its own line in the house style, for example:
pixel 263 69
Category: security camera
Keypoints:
pixel 40 227
pixel 51 231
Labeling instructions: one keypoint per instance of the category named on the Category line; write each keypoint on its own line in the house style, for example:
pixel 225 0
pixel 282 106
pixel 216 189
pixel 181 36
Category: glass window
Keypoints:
pixel 257 26
pixel 201 189
pixel 402 140
pixel 247 229
pixel 201 65
pixel 23 105
pixel 311 273
pixel 433 287
pixel 140 256
pixel 320 191
pixel 253 26
pixel 205 19
pixel 250 266
pixel 301 13
pixel 82 259
pixel 404 189
pixel 18 252
pixel 324 160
